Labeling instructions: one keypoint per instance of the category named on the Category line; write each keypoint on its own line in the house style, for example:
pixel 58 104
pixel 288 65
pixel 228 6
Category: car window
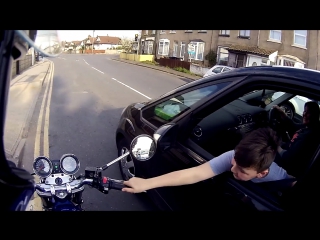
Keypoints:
pixel 226 69
pixel 217 69
pixel 168 110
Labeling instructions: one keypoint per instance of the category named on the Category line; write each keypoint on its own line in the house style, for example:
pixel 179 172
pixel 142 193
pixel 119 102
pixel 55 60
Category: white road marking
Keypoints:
pixel 131 88
pixel 62 58
pixel 85 61
pixel 98 70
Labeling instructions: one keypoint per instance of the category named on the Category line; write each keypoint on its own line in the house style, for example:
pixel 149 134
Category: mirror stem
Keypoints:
pixel 114 161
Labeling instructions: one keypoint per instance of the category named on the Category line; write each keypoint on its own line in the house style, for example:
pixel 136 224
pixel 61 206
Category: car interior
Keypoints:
pixel 222 130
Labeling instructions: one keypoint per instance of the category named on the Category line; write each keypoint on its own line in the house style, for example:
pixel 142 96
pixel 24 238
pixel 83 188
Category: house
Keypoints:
pixel 239 48
pixel 148 42
pixel 101 42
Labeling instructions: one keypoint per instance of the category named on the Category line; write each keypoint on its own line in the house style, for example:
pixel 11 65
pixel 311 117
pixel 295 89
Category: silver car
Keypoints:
pixel 217 69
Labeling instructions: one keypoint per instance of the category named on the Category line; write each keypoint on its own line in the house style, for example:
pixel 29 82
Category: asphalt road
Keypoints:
pixel 88 94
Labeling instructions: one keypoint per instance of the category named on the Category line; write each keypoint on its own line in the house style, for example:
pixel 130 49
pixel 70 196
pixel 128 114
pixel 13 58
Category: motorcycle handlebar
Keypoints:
pixel 104 185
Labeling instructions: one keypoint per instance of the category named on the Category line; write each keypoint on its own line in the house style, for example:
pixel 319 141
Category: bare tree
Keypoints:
pixel 126 44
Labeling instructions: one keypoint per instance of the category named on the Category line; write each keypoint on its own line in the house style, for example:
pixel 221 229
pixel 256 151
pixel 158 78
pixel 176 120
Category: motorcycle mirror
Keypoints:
pixel 143 147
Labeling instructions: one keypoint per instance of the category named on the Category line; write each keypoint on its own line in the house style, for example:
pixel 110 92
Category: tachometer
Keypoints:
pixel 69 164
pixel 42 166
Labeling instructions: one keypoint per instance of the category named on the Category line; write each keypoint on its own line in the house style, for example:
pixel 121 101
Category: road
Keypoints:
pixel 88 94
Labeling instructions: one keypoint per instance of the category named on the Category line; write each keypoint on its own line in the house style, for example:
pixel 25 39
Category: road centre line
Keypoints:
pixel 85 61
pixel 98 70
pixel 131 88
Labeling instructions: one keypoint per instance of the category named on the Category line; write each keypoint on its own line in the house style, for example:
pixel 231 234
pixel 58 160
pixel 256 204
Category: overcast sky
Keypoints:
pixel 78 35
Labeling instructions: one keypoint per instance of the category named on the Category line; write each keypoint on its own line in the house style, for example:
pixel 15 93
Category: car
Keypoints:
pixel 217 69
pixel 201 120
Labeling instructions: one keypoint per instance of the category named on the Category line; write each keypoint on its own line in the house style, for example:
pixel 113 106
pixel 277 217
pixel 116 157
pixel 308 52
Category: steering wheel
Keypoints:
pixel 275 121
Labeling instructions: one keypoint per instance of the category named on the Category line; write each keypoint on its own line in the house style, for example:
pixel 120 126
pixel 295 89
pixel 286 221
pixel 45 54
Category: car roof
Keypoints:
pixel 222 66
pixel 304 75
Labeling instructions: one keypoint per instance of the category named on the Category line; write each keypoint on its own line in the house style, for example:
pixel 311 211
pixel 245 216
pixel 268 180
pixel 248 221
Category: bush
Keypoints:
pixel 211 57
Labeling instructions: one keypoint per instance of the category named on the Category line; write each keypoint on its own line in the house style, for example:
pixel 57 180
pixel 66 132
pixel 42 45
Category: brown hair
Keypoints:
pixel 257 150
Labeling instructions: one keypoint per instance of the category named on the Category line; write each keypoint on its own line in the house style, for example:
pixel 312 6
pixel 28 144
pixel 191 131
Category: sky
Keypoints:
pixel 78 35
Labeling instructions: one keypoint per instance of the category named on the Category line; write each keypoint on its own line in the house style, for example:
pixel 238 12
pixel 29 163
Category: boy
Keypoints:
pixel 252 160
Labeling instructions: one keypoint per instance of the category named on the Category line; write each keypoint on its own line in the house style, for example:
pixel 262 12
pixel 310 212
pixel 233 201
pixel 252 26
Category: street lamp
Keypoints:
pixel 92 40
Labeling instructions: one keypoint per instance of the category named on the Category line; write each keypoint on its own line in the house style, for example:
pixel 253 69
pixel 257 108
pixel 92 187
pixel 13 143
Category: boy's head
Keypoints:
pixel 254 154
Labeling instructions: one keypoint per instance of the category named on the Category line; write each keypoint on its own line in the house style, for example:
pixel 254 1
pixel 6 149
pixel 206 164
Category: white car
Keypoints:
pixel 217 69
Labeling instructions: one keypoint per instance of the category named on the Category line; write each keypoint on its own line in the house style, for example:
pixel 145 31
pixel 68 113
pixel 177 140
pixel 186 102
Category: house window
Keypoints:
pixel 223 56
pixel 148 47
pixel 275 35
pixel 172 31
pixel 244 33
pixel 187 30
pixel 162 31
pixel 240 60
pixel 146 32
pixel 175 49
pixel 182 50
pixel 198 51
pixel 153 32
pixel 224 32
pixel 203 31
pixel 300 37
pixel 163 47
pixel 288 63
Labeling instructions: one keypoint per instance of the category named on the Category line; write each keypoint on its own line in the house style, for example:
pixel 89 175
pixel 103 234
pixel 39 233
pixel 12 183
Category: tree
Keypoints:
pixel 126 44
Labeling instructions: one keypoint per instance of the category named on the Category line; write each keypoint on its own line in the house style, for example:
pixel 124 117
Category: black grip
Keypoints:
pixel 116 184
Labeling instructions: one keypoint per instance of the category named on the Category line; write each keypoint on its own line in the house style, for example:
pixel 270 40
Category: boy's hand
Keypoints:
pixel 135 185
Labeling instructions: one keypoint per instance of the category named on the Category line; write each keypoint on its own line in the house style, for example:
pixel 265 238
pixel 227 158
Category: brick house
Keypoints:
pixel 238 48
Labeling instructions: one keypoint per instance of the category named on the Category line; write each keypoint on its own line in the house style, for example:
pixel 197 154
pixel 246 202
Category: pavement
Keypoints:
pixel 23 95
pixel 160 68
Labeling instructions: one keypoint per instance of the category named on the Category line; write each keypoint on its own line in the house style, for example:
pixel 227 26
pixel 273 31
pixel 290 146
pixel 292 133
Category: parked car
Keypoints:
pixel 217 69
pixel 201 120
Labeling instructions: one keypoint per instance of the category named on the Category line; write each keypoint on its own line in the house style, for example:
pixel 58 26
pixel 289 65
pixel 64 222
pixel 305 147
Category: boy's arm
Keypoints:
pixel 181 177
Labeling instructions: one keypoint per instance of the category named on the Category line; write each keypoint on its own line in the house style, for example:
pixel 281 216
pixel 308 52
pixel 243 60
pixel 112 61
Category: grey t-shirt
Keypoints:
pixel 222 164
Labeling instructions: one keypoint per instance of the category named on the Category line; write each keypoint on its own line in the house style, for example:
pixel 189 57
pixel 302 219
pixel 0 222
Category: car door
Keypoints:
pixel 175 158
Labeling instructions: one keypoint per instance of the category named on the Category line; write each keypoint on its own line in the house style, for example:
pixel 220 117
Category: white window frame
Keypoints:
pixel 195 56
pixel 153 32
pixel 182 53
pixel 187 31
pixel 175 49
pixel 202 31
pixel 162 31
pixel 146 32
pixel 219 53
pixel 224 32
pixel 300 35
pixel 172 31
pixel 165 47
pixel 275 39
pixel 246 33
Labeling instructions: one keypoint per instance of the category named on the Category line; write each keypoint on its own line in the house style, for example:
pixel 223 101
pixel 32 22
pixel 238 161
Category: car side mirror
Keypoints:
pixel 166 135
pixel 143 147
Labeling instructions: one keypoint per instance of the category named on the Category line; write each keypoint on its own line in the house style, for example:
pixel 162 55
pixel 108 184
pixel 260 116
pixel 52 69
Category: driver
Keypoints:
pixel 293 155
pixel 252 159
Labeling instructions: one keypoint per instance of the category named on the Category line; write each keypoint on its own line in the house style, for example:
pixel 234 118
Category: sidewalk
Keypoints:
pixel 23 95
pixel 160 68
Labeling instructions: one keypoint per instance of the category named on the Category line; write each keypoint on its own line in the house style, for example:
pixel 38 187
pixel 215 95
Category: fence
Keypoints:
pixel 173 63
pixel 19 66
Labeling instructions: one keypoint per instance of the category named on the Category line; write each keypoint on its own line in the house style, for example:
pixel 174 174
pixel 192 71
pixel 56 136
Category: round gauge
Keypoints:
pixel 69 164
pixel 42 166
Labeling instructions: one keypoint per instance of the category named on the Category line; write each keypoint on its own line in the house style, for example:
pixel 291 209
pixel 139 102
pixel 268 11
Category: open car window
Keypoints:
pixel 168 110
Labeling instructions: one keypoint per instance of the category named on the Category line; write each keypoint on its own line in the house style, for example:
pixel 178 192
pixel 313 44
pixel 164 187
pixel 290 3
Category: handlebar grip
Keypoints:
pixel 116 184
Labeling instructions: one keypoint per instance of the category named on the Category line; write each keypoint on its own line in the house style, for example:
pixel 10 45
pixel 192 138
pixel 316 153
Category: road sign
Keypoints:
pixel 191 48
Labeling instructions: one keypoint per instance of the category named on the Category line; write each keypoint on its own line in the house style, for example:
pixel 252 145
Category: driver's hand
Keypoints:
pixel 136 185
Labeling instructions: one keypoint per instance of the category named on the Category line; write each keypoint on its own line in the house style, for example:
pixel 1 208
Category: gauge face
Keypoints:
pixel 42 166
pixel 69 164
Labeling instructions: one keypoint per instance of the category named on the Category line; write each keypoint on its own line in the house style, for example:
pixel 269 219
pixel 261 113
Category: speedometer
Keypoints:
pixel 69 164
pixel 42 166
